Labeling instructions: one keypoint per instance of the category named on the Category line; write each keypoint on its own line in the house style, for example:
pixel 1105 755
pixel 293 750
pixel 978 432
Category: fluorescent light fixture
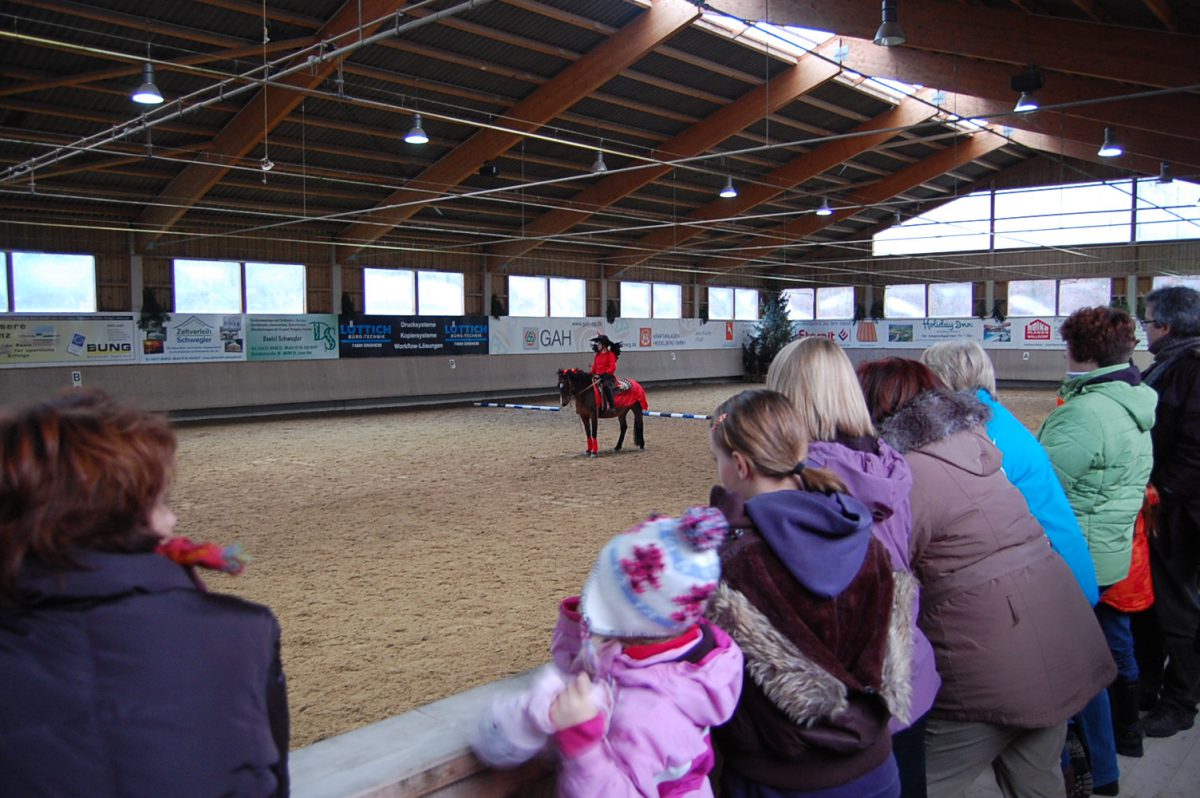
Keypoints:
pixel 147 93
pixel 1110 148
pixel 728 191
pixel 890 34
pixel 824 210
pixel 416 134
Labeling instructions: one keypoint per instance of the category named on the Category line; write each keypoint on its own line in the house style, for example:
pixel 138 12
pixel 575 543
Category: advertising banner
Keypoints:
pixel 309 337
pixel 1026 332
pixel 401 336
pixel 517 335
pixel 68 340
pixel 195 338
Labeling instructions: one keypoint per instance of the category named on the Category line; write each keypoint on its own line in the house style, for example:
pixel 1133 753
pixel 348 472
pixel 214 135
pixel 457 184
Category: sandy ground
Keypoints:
pixel 413 554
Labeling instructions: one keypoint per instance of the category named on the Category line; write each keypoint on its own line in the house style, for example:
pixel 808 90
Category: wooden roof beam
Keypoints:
pixel 807 74
pixel 580 79
pixel 873 133
pixel 1177 115
pixel 247 129
pixel 1147 57
pixel 939 163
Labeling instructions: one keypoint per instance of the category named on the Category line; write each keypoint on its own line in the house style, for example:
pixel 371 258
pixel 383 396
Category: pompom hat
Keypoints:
pixel 655 579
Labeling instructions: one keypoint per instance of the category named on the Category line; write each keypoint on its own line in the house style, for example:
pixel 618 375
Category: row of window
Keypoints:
pixel 1117 212
pixel 46 283
pixel 50 283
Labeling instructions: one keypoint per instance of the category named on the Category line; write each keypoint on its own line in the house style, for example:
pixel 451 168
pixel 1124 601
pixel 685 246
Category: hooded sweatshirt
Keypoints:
pixel 879 477
pixel 810 597
pixel 1099 443
pixel 664 699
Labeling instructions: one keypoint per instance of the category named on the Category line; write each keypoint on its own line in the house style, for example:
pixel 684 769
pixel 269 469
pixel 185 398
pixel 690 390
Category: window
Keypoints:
pixel 801 303
pixel 904 302
pixel 1167 211
pixel 835 303
pixel 532 296
pixel 1165 280
pixel 4 306
pixel 208 286
pixel 745 303
pixel 1083 293
pixel 1089 213
pixel 275 288
pixel 668 301
pixel 526 296
pixel 568 298
pixel 389 292
pixel 635 300
pixel 962 224
pixel 720 303
pixel 1031 298
pixel 949 300
pixel 440 294
pixel 50 283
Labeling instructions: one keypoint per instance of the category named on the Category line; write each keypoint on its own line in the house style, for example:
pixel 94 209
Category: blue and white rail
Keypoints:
pixel 552 409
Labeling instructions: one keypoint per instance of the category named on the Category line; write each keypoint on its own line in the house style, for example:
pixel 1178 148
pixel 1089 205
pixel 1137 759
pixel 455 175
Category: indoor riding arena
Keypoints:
pixel 413 554
pixel 346 246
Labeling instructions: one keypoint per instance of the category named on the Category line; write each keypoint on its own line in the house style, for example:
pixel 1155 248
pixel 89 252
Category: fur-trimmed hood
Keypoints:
pixel 933 416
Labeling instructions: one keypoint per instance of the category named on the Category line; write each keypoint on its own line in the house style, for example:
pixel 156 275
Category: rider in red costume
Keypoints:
pixel 604 368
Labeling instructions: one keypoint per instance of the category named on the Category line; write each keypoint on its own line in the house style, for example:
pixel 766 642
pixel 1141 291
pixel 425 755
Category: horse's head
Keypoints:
pixel 564 387
pixel 570 382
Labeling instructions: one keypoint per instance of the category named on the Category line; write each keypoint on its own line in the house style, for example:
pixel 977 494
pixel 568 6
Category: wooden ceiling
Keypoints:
pixel 519 97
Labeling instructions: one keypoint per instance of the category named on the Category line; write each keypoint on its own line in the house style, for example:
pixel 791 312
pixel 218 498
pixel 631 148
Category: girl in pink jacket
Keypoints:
pixel 639 676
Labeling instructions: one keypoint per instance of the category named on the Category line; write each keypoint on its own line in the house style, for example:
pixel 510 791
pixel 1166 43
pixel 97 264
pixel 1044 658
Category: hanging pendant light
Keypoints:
pixel 1110 148
pixel 147 93
pixel 599 165
pixel 416 134
pixel 890 34
pixel 728 191
pixel 824 210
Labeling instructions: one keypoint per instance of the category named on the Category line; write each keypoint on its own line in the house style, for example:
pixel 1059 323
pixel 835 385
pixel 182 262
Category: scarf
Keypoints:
pixel 184 551
pixel 1166 351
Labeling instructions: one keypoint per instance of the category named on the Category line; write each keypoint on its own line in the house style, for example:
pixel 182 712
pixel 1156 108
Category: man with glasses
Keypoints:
pixel 1172 326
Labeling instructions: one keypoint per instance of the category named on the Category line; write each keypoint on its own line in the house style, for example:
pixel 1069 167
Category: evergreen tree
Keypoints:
pixel 774 333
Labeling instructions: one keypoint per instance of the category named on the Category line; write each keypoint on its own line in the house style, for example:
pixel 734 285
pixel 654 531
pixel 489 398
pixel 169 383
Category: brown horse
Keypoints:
pixel 578 385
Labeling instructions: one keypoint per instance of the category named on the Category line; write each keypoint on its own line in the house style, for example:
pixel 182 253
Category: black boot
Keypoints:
pixel 1127 727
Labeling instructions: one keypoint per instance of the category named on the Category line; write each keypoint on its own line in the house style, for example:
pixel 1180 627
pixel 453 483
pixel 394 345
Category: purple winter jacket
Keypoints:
pixel 881 479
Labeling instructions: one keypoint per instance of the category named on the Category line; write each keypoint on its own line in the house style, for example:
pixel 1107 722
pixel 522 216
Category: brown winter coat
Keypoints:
pixel 1015 641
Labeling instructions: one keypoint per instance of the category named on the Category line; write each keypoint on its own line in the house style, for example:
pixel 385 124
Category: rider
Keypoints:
pixel 604 368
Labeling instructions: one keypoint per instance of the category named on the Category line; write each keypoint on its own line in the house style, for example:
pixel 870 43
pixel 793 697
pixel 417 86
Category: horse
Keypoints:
pixel 578 385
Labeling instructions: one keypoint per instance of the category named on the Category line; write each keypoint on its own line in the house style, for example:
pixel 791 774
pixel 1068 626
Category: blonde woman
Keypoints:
pixel 818 378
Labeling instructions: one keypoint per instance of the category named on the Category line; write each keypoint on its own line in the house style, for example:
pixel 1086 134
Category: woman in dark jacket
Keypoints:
pixel 123 678
pixel 1017 645
pixel 823 623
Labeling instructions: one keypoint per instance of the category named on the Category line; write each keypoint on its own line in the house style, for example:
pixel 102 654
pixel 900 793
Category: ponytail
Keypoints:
pixel 820 480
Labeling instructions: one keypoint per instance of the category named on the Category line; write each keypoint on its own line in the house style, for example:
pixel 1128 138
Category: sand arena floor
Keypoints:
pixel 414 554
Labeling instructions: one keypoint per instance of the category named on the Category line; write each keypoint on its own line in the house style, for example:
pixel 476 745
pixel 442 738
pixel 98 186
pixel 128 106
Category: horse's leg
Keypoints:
pixel 638 437
pixel 594 438
pixel 624 426
pixel 586 433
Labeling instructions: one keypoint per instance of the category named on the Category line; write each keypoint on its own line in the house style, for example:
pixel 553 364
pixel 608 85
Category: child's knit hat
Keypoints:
pixel 655 579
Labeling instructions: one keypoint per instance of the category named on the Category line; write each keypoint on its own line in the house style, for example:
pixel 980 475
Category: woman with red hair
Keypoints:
pixel 124 678
pixel 1015 641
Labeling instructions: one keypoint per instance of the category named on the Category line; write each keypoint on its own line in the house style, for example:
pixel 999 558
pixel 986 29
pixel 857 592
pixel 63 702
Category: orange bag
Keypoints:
pixel 1135 592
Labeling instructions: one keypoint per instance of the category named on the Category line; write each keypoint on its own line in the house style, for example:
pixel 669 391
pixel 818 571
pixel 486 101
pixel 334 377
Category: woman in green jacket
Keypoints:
pixel 1098 441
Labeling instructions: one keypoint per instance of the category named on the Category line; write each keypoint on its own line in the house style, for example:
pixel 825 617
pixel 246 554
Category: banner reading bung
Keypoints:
pixel 66 340
pixel 517 335
pixel 406 336
pixel 313 336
